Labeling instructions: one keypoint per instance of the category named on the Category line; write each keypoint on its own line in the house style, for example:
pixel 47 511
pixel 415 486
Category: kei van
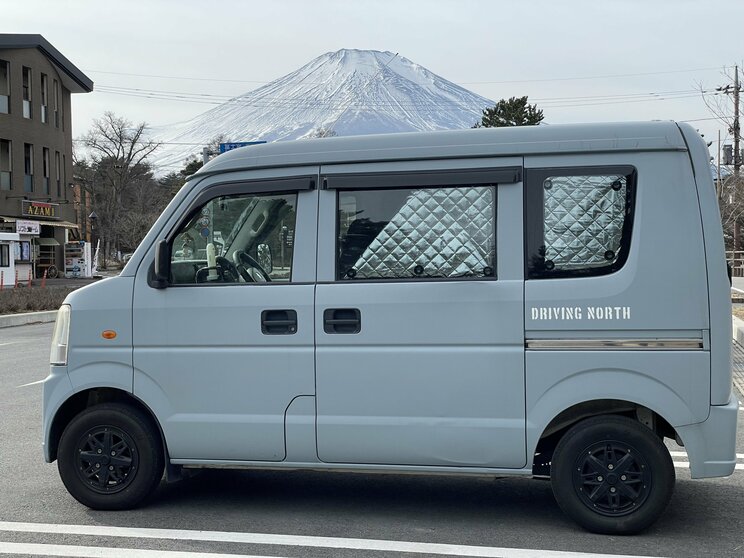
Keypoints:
pixel 544 301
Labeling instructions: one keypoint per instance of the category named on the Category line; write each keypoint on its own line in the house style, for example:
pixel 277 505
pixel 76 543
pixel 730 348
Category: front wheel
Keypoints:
pixel 612 475
pixel 110 457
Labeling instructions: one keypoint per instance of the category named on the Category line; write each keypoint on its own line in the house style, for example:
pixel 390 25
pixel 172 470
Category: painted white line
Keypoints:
pixel 35 549
pixel 31 384
pixel 686 465
pixel 737 290
pixel 684 454
pixel 281 540
pixel 8 343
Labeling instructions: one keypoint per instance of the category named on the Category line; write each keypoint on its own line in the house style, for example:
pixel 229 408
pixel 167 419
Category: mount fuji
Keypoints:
pixel 344 93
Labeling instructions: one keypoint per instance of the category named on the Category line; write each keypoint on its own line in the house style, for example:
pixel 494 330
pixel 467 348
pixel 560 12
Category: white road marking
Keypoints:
pixel 737 290
pixel 31 384
pixel 35 549
pixel 259 539
pixel 686 465
pixel 684 454
pixel 8 343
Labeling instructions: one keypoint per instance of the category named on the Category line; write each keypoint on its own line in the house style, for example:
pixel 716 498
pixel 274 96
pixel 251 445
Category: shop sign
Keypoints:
pixel 28 227
pixel 40 209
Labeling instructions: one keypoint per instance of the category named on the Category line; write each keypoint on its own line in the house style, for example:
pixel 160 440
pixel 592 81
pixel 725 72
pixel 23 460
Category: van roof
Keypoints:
pixel 481 142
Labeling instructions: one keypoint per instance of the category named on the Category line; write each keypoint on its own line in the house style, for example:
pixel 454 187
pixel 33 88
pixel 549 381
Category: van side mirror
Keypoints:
pixel 162 265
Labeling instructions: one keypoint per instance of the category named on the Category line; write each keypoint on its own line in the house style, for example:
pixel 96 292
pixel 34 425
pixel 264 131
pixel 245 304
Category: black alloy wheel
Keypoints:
pixel 107 459
pixel 612 478
pixel 612 475
pixel 111 457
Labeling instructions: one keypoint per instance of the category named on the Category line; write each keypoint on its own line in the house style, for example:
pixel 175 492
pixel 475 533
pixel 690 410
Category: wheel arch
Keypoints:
pixel 87 398
pixel 554 430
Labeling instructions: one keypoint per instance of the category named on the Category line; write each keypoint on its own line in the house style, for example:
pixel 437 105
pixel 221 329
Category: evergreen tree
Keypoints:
pixel 512 112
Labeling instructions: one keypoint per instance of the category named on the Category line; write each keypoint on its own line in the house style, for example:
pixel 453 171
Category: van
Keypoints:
pixel 546 301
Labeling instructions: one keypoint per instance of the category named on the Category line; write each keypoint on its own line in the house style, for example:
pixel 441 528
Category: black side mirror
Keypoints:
pixel 162 265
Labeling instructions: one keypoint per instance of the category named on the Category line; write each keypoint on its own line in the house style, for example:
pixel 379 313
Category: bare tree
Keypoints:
pixel 323 132
pixel 722 102
pixel 116 165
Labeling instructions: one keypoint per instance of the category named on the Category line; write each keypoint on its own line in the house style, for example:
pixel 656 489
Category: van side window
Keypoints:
pixel 251 237
pixel 578 220
pixel 410 233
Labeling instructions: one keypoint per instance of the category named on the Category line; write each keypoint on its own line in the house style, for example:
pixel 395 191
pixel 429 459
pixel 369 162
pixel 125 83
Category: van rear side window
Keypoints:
pixel 578 220
pixel 417 233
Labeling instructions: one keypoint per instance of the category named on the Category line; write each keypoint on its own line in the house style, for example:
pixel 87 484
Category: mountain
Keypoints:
pixel 350 92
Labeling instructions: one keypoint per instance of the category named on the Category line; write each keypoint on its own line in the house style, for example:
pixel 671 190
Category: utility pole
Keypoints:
pixel 737 155
pixel 736 132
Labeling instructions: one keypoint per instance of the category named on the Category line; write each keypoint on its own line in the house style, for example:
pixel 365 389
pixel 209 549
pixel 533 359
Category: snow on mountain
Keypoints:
pixel 352 92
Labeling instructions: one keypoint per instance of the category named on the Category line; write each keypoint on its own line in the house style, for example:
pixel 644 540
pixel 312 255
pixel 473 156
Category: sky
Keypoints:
pixel 578 60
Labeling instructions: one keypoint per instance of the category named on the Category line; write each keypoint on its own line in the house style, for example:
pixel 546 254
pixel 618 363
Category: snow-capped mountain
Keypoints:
pixel 350 92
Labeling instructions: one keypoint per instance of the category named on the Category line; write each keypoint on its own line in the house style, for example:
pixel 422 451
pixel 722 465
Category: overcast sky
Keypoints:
pixel 579 60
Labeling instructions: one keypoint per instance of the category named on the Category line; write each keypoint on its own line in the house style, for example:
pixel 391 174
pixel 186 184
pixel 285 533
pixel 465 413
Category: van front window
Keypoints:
pixel 240 239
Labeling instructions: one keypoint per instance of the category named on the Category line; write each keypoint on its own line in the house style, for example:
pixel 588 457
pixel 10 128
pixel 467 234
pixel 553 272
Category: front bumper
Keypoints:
pixel 57 389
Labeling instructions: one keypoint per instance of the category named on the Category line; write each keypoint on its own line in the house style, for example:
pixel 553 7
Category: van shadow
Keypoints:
pixel 377 498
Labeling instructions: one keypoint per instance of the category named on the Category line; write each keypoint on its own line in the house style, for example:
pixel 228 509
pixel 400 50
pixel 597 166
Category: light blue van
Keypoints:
pixel 544 301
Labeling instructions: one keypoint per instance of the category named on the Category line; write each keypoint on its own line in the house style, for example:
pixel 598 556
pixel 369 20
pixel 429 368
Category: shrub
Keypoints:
pixel 34 299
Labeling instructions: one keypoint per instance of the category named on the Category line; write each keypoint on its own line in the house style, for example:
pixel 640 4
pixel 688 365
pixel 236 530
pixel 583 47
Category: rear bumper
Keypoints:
pixel 711 444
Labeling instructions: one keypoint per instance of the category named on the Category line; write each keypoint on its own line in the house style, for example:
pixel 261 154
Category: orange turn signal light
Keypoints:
pixel 109 334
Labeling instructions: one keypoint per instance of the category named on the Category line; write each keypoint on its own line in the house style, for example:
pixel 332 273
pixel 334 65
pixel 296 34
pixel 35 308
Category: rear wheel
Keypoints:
pixel 110 457
pixel 612 475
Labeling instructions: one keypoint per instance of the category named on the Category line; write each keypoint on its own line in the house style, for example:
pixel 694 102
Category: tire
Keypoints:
pixel 612 475
pixel 91 471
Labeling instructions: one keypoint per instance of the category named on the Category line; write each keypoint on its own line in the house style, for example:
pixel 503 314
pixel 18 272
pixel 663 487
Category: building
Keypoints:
pixel 36 201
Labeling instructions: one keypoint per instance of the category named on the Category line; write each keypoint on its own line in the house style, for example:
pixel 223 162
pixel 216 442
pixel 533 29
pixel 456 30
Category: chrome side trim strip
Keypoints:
pixel 614 344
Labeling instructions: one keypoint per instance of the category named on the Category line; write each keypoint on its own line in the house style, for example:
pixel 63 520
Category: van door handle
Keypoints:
pixel 342 320
pixel 279 322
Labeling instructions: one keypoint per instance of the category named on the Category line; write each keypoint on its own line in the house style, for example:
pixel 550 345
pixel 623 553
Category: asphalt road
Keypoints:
pixel 319 514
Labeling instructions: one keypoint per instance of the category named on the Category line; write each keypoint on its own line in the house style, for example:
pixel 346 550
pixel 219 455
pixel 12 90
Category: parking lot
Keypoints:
pixel 295 514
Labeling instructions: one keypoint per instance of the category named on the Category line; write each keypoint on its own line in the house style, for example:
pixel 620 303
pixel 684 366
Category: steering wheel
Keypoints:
pixel 227 272
pixel 243 260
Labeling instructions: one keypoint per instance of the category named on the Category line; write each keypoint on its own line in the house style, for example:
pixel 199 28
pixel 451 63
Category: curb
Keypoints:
pixel 738 329
pixel 10 320
pixel 738 335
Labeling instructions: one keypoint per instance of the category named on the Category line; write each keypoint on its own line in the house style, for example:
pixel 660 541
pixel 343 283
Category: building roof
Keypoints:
pixel 72 78
pixel 481 142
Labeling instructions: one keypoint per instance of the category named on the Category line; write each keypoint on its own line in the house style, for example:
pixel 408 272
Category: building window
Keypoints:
pixel 27 92
pixel 57 174
pixel 28 167
pixel 4 255
pixel 4 87
pixel 417 233
pixel 55 94
pixel 578 220
pixel 23 251
pixel 45 167
pixel 64 175
pixel 44 98
pixel 6 162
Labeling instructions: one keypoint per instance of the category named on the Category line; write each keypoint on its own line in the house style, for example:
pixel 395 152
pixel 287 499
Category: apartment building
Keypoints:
pixel 36 199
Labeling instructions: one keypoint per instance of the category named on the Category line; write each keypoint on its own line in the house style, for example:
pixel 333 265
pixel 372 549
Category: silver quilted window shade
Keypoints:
pixel 437 232
pixel 584 218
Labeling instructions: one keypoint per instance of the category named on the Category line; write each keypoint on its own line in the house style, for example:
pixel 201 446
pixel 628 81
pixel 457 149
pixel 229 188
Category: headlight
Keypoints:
pixel 61 335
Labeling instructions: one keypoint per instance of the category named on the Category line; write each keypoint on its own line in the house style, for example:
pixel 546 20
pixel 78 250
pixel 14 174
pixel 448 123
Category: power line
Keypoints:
pixel 573 78
pixel 605 76
pixel 304 102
